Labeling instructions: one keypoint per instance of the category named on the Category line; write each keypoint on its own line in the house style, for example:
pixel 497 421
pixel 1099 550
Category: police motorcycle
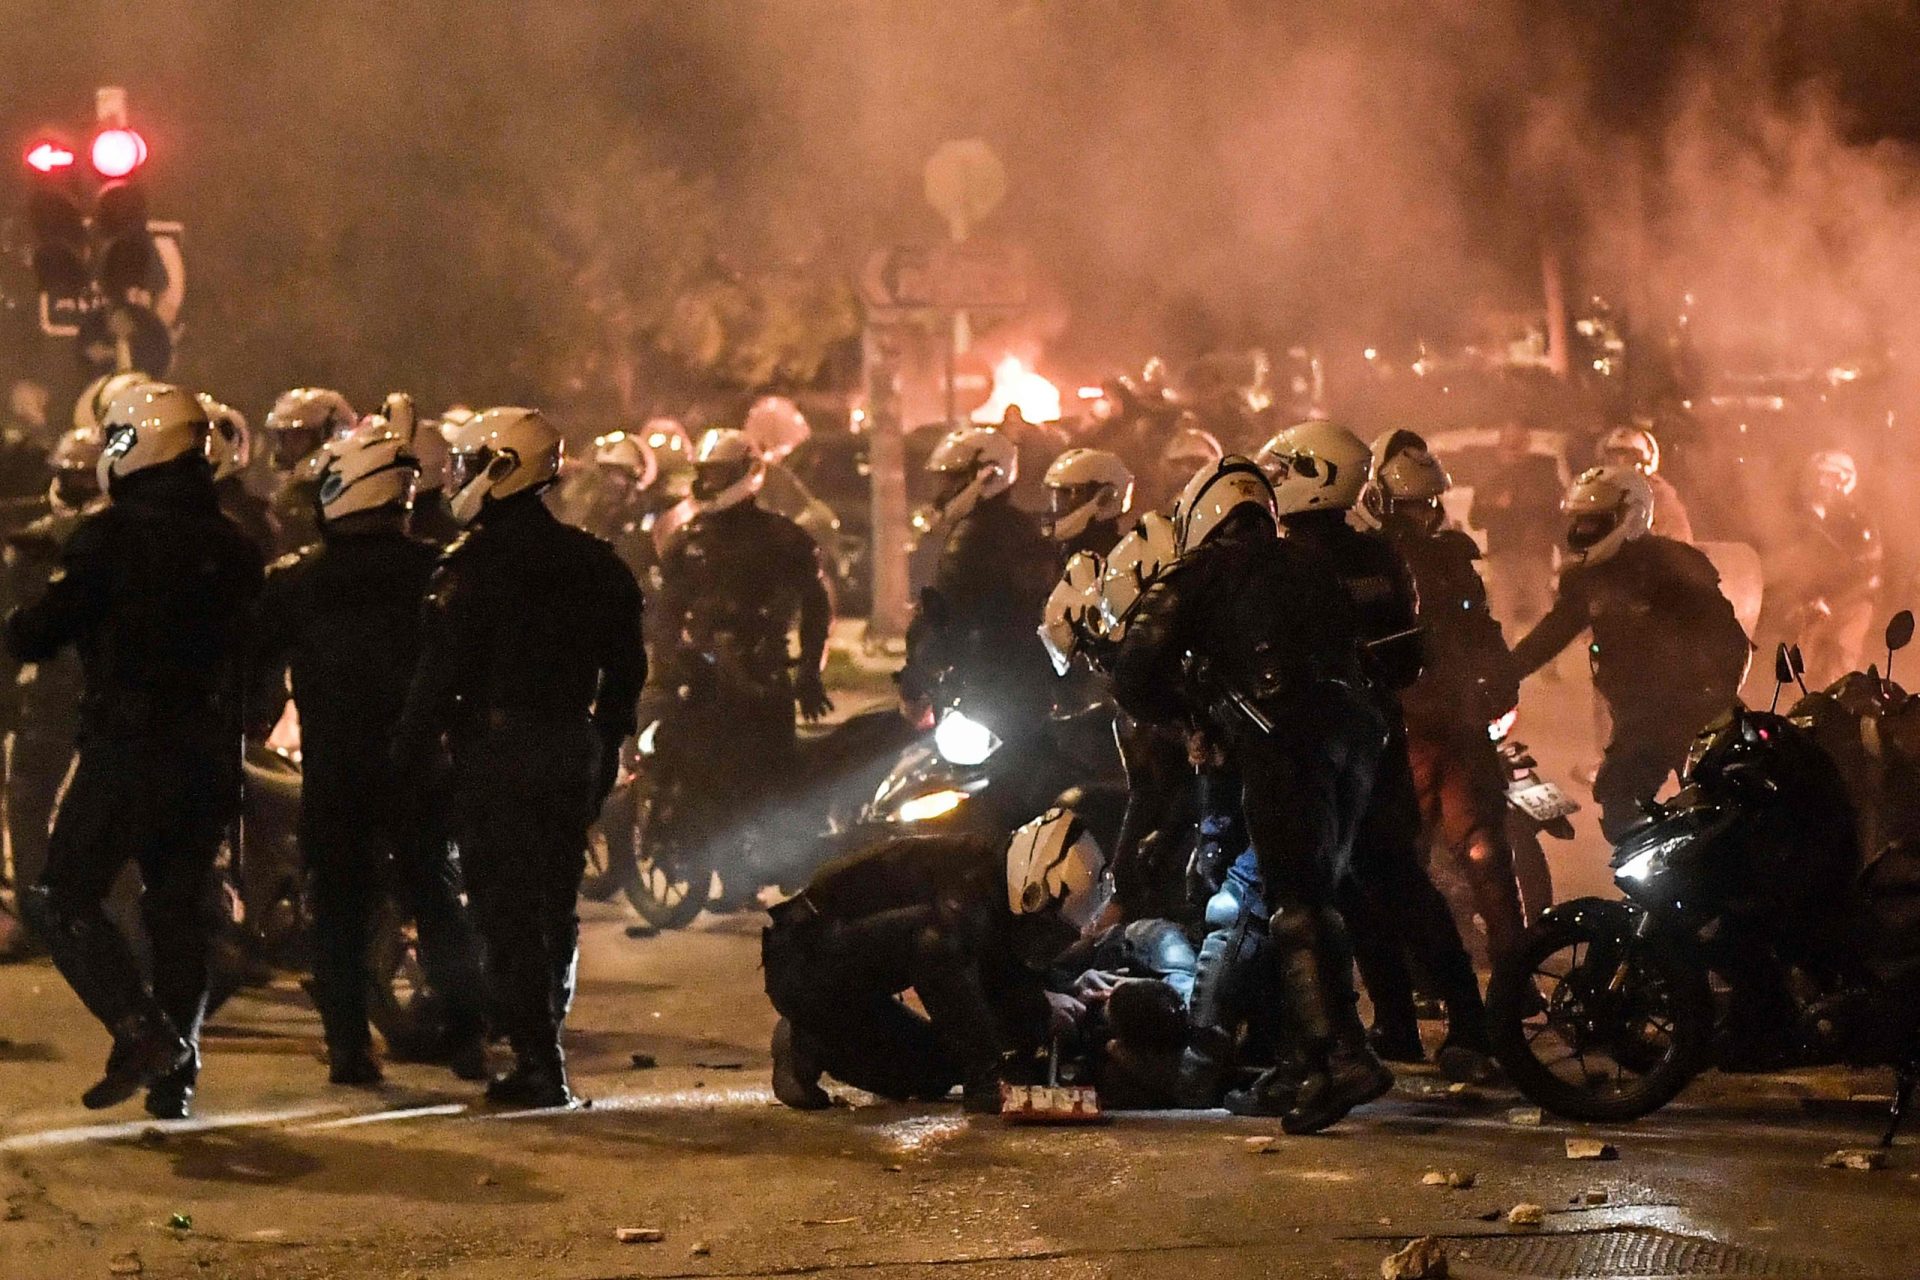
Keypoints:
pixel 1771 917
pixel 1536 807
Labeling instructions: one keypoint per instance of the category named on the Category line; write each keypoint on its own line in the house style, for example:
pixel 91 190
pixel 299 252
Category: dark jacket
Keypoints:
pixel 753 573
pixel 344 618
pixel 248 511
pixel 1380 586
pixel 1518 506
pixel 1247 615
pixel 528 623
pixel 1664 637
pixel 982 614
pixel 154 591
pixel 1467 678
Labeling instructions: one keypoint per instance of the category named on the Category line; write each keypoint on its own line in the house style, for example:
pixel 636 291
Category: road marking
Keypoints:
pixel 134 1128
pixel 383 1117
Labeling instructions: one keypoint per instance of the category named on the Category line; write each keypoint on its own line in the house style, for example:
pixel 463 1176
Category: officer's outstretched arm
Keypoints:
pixel 816 614
pixel 1563 623
pixel 74 602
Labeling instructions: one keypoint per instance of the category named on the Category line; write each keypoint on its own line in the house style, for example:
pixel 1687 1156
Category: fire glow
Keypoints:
pixel 1018 387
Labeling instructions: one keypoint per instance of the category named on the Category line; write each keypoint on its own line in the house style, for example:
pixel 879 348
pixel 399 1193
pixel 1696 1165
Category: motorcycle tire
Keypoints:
pixel 1655 1030
pixel 669 885
pixel 610 845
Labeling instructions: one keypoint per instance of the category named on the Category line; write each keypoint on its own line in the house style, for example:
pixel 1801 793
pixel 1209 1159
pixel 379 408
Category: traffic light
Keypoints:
pixel 57 222
pixel 116 153
pixel 123 252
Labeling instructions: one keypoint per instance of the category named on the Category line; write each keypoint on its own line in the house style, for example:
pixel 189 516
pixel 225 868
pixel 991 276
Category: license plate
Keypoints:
pixel 1542 801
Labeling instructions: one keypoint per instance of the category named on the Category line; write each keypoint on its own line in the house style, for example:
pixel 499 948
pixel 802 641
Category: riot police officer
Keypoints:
pixel 153 590
pixel 299 424
pixel 1637 448
pixel 968 923
pixel 739 568
pixel 1089 496
pixel 343 617
pixel 1668 653
pixel 989 585
pixel 1320 470
pixel 1253 637
pixel 230 452
pixel 1466 682
pixel 530 668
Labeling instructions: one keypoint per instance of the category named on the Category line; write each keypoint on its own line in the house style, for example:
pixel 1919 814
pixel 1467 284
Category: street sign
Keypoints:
pixel 974 276
pixel 965 182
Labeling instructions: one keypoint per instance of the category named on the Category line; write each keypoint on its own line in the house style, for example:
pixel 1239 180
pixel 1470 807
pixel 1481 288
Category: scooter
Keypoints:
pixel 1759 931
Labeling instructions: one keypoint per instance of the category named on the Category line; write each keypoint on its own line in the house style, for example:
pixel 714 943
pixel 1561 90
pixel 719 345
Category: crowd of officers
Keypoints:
pixel 1304 669
pixel 1298 646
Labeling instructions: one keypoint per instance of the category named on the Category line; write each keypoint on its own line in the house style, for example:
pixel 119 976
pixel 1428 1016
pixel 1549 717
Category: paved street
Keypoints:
pixel 283 1176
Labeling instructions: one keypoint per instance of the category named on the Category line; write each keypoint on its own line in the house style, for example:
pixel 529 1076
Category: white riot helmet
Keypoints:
pixel 1408 483
pixel 1085 485
pixel 1832 473
pixel 776 427
pixel 1214 495
pixel 1631 446
pixel 367 471
pixel 1315 466
pixel 1607 508
pixel 628 454
pixel 727 470
pixel 426 441
pixel 1072 612
pixel 305 418
pixel 229 443
pixel 1132 566
pixel 668 440
pixel 499 453
pixel 974 464
pixel 75 463
pixel 1055 864
pixel 91 408
pixel 147 426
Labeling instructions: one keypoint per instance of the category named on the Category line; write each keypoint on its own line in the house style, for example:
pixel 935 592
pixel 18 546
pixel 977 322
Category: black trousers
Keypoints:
pixel 523 798
pixel 42 753
pixel 1647 744
pixel 838 982
pixel 163 801
pixel 364 837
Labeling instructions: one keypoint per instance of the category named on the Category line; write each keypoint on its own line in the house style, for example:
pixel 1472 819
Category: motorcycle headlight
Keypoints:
pixel 963 740
pixel 934 804
pixel 1651 862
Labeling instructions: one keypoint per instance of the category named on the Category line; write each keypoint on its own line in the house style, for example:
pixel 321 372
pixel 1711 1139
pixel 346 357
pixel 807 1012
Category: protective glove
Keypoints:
pixel 811 693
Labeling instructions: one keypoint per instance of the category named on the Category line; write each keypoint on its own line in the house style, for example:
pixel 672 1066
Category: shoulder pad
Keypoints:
pixel 1459 542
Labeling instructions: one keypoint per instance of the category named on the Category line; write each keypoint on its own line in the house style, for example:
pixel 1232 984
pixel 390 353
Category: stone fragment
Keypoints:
pixel 1859 1159
pixel 1526 1215
pixel 1590 1149
pixel 1424 1259
pixel 639 1235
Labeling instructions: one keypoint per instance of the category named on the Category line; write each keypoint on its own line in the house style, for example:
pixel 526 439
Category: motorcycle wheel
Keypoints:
pixel 399 1003
pixel 669 885
pixel 610 846
pixel 1598 1026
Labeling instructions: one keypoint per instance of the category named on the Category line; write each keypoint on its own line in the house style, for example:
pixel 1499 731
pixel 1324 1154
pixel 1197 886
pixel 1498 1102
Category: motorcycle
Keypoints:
pixel 1535 807
pixel 961 776
pixel 697 805
pixel 1771 917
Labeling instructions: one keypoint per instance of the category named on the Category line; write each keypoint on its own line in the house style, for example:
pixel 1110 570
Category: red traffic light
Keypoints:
pixel 118 152
pixel 49 157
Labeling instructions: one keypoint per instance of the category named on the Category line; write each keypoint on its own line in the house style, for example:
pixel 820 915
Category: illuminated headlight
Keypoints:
pixel 1650 862
pixel 647 739
pixel 934 804
pixel 963 741
pixel 1500 728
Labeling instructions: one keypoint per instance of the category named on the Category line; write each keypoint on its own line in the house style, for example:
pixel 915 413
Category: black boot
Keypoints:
pixel 797 1070
pixel 145 1048
pixel 538 1081
pixel 1342 1070
pixel 354 1066
pixel 467 1058
pixel 171 1096
pixel 1273 1093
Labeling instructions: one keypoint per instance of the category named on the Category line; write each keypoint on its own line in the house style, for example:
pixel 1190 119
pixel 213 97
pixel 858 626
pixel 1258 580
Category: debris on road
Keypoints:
pixel 700 1249
pixel 1526 1215
pixel 827 1222
pixel 126 1264
pixel 645 1062
pixel 486 1180
pixel 1262 1145
pixel 640 1235
pixel 1528 1116
pixel 1462 1180
pixel 180 1221
pixel 1433 1178
pixel 1591 1149
pixel 719 1066
pixel 1859 1159
pixel 1593 1199
pixel 895 1168
pixel 1424 1259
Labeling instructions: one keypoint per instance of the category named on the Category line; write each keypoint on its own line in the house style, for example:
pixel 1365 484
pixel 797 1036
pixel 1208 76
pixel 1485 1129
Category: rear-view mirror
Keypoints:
pixel 1782 666
pixel 1900 630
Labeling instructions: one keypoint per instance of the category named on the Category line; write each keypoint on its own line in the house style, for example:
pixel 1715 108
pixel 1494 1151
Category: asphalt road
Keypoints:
pixel 283 1176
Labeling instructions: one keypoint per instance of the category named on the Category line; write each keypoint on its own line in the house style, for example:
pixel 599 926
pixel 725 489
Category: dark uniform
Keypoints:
pixel 981 617
pixel 344 616
pixel 153 591
pixel 1466 683
pixel 248 511
pixel 530 669
pixel 1668 656
pixel 923 912
pixel 1248 629
pixel 1394 908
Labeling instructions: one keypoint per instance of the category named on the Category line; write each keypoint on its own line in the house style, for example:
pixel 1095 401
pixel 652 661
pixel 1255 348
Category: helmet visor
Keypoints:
pixel 464 468
pixel 1589 530
pixel 711 479
pixel 75 487
pixel 291 444
pixel 1424 514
